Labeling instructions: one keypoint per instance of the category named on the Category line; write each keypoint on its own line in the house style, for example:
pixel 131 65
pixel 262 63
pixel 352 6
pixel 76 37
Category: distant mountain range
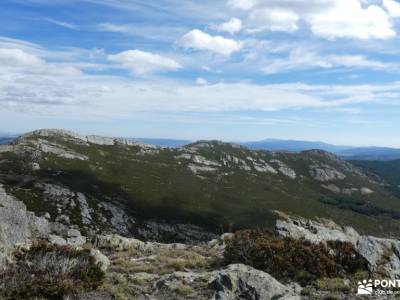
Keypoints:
pixel 346 152
pixel 370 153
pixel 163 142
pixel 293 145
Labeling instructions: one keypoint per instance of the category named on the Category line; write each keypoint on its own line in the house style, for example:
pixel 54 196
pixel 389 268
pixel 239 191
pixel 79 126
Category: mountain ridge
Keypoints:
pixel 202 189
pixel 346 152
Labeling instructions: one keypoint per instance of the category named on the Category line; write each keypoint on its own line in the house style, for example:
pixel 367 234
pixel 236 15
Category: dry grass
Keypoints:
pixel 333 285
pixel 132 273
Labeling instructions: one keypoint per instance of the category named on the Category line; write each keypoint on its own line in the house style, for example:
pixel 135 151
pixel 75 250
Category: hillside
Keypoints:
pixel 387 170
pixel 189 193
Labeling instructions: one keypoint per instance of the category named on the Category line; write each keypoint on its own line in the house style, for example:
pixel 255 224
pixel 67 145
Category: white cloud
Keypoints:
pixel 17 57
pixel 242 4
pixel 273 20
pixel 348 19
pixel 140 62
pixel 232 26
pixel 201 81
pixel 329 19
pixel 62 24
pixel 393 8
pixel 29 90
pixel 11 59
pixel 115 28
pixel 304 59
pixel 199 40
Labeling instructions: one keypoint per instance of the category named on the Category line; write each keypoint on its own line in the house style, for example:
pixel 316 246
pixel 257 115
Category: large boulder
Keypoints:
pixel 236 281
pixel 119 243
pixel 243 282
pixel 382 254
pixel 100 259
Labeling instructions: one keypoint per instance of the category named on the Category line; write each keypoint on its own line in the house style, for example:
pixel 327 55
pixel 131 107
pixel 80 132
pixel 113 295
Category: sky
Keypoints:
pixel 235 70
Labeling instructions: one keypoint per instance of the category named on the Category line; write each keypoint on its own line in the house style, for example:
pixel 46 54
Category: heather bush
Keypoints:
pixel 49 271
pixel 290 259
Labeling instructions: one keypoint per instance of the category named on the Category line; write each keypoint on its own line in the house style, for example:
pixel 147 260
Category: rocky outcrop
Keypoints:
pixel 331 187
pixel 366 191
pixel 17 225
pixel 82 139
pixel 65 201
pixel 284 169
pixel 382 254
pixel 325 173
pixel 264 168
pixel 195 169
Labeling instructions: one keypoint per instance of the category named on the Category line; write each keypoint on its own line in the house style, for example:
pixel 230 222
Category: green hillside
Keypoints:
pixel 214 185
pixel 387 170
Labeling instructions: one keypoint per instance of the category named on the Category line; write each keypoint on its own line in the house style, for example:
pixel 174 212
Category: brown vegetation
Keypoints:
pixel 287 258
pixel 49 271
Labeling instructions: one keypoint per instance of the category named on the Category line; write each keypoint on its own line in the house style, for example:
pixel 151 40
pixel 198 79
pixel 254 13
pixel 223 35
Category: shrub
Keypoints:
pixel 347 258
pixel 287 258
pixel 49 271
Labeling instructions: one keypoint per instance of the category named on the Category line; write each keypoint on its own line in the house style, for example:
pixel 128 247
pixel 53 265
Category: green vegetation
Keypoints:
pixel 360 206
pixel 290 259
pixel 387 170
pixel 49 271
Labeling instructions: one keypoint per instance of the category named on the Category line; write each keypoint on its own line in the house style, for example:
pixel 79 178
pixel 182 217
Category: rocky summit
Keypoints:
pixel 88 217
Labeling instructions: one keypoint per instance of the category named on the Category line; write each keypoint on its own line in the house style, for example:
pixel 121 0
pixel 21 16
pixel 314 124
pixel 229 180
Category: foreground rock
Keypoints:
pixel 382 254
pixel 147 270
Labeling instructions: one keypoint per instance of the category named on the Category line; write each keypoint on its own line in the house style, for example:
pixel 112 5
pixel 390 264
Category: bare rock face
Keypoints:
pixel 17 225
pixel 331 187
pixel 264 168
pixel 382 254
pixel 284 169
pixel 366 191
pixel 326 173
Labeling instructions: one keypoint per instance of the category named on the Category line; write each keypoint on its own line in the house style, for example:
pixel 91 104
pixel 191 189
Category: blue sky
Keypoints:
pixel 223 69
